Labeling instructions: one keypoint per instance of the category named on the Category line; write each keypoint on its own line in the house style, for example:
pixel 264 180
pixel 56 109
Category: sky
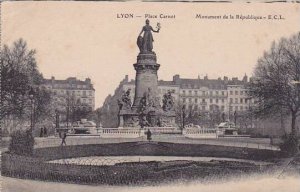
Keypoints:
pixel 87 39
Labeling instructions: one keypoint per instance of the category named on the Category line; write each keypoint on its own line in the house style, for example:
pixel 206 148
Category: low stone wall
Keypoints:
pixel 200 133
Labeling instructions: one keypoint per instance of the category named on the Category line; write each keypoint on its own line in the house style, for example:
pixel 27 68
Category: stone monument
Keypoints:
pixel 146 111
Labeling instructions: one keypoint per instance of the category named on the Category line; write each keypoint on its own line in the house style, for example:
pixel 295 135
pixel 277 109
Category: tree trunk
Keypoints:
pixel 294 118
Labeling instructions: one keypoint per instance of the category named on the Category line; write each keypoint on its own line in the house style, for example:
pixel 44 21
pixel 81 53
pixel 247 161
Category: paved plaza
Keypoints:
pixel 257 143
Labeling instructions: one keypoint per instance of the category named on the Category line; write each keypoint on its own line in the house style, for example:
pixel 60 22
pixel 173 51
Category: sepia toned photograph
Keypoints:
pixel 150 96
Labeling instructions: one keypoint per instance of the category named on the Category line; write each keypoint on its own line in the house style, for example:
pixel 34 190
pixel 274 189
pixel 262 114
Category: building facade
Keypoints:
pixel 225 95
pixel 202 95
pixel 71 92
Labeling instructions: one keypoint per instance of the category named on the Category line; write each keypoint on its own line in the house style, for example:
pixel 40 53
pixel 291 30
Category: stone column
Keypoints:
pixel 146 76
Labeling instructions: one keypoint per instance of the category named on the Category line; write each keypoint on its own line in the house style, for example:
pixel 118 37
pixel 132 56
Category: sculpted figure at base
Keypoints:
pixel 125 102
pixel 145 43
pixel 168 101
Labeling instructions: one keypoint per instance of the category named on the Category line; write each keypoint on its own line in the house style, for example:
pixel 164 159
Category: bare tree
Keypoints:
pixel 276 81
pixel 19 74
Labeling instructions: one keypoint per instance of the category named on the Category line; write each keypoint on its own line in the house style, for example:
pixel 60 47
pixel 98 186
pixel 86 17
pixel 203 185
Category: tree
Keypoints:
pixel 275 87
pixel 19 74
pixel 96 116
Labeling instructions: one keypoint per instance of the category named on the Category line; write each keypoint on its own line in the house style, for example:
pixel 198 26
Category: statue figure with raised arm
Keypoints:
pixel 145 43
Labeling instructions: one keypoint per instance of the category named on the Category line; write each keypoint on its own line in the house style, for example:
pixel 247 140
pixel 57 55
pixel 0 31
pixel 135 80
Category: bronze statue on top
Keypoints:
pixel 145 43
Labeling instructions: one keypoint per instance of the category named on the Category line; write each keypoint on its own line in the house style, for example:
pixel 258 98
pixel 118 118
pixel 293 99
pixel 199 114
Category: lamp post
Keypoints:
pixel 56 119
pixel 183 118
pixel 31 97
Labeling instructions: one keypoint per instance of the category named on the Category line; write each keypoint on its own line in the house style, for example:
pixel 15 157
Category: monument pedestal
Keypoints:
pixel 146 110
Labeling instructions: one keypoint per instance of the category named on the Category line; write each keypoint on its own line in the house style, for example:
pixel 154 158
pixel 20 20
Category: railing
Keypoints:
pixel 120 133
pixel 163 130
pixel 200 133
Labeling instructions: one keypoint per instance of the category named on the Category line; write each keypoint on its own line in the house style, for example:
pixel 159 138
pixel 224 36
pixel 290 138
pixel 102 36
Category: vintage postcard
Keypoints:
pixel 150 96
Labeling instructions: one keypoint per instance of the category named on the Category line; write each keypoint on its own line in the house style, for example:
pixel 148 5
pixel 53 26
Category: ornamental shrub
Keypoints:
pixel 21 143
pixel 290 144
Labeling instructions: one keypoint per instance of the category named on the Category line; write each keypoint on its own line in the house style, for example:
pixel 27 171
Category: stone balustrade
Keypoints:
pixel 200 133
pixel 163 130
pixel 120 133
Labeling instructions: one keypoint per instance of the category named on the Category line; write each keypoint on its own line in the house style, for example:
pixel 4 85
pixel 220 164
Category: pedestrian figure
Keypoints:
pixel 64 136
pixel 148 133
pixel 42 132
pixel 45 131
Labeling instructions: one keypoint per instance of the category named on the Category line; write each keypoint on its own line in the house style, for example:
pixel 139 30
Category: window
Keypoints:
pixel 222 100
pixel 241 108
pixel 84 93
pixel 236 108
pixel 190 92
pixel 230 108
pixel 203 93
pixel 210 93
pixel 236 100
pixel 231 100
pixel 183 92
pixel 211 100
pixel 196 100
pixel 242 92
pixel 190 100
pixel 231 92
pixel 203 100
pixel 223 93
pixel 210 107
pixel 222 108
pixel 196 92
pixel 203 108
pixel 183 100
pixel 241 100
pixel 236 92
pixel 217 100
pixel 217 92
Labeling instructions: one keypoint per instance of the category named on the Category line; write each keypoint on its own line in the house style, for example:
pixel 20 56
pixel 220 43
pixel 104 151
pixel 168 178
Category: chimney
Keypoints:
pixel 225 79
pixel 235 80
pixel 176 79
pixel 88 80
pixel 205 77
pixel 126 78
pixel 245 78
